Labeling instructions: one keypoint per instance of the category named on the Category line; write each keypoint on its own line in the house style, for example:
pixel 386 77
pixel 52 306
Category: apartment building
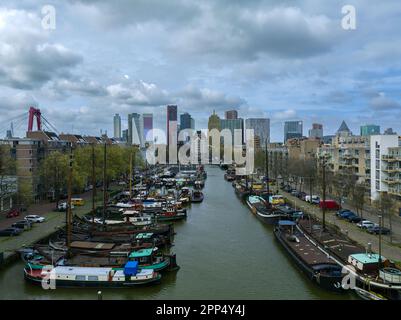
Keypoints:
pixel 386 165
pixel 349 153
pixel 302 148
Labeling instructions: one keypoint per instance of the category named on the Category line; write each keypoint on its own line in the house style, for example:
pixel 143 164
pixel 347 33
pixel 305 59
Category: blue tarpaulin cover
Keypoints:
pixel 286 223
pixel 131 268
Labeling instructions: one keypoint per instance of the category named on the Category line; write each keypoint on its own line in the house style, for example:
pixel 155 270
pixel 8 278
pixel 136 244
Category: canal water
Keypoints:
pixel 224 253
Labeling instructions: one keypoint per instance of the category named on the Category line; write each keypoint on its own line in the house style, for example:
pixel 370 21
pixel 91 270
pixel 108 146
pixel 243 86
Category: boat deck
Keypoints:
pixel 337 243
pixel 309 253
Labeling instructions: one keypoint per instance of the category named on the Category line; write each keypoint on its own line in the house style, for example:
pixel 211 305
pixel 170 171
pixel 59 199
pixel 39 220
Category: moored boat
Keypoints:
pixel 315 263
pixel 197 196
pixel 66 276
pixel 261 209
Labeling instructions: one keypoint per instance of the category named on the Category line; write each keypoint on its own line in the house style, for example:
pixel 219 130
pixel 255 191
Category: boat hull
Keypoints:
pixel 327 282
pixel 94 284
pixel 267 219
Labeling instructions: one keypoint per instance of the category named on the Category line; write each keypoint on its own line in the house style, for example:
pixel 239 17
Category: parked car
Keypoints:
pixel 366 224
pixel 329 205
pixel 341 211
pixel 9 232
pixel 378 229
pixel 315 199
pixel 62 206
pixel 301 195
pixel 35 218
pixel 22 224
pixel 354 218
pixel 13 213
pixel 294 192
pixel 347 214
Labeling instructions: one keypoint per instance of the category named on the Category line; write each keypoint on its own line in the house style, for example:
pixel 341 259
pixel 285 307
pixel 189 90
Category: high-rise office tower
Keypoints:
pixel 214 122
pixel 233 125
pixel 117 126
pixel 172 132
pixel 147 127
pixel 192 123
pixel 185 121
pixel 261 129
pixel 125 135
pixel 292 129
pixel 316 131
pixel 231 114
pixel 135 129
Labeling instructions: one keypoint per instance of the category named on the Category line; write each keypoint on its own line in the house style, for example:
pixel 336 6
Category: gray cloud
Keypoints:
pixel 27 60
pixel 81 86
pixel 383 103
pixel 192 98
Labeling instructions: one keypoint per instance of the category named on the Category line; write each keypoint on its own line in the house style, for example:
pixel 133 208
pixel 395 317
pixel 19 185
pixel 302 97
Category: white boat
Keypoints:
pixel 64 276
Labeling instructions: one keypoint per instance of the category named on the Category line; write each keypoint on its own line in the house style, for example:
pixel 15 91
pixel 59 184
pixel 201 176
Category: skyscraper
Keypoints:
pixel 185 121
pixel 117 126
pixel 125 135
pixel 292 129
pixel 370 129
pixel 192 123
pixel 316 131
pixel 231 114
pixel 147 127
pixel 171 124
pixel 135 129
pixel 232 125
pixel 214 122
pixel 261 129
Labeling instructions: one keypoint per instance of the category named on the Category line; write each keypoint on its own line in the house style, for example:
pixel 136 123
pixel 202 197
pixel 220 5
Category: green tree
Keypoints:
pixel 53 173
pixel 25 192
pixel 7 169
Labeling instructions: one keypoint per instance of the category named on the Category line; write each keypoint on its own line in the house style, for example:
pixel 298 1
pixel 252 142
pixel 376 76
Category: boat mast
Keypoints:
pixel 93 185
pixel 267 169
pixel 104 181
pixel 69 212
pixel 324 192
pixel 133 166
pixel 130 175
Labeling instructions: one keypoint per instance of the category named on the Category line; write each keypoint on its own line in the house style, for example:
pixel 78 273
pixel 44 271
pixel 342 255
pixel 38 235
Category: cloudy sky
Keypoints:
pixel 286 60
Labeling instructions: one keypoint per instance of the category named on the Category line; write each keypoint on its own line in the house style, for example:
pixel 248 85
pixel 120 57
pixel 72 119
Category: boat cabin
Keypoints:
pixel 366 262
pixel 143 256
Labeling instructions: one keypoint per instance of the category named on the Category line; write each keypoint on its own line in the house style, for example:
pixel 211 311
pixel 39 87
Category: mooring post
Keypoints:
pixel 99 295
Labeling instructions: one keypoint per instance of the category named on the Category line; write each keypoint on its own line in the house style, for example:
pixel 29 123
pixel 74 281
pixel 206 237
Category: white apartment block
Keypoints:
pixel 385 165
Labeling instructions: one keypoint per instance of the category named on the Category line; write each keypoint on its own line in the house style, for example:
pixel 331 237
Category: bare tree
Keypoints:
pixel 385 204
pixel 358 198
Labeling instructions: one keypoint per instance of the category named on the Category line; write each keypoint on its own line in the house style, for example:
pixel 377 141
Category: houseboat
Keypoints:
pixel 315 263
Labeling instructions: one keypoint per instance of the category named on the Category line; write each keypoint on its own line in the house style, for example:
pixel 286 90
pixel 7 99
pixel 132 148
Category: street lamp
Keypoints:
pixel 380 241
pixel 324 159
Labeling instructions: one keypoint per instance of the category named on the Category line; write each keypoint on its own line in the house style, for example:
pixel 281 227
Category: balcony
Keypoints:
pixel 390 158
pixel 391 169
pixel 392 181
pixel 348 156
pixel 394 191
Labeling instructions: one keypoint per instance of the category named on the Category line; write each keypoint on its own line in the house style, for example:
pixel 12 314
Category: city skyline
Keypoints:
pixel 325 75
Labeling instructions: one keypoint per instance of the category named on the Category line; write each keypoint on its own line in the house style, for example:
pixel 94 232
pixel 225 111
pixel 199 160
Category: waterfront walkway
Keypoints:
pixel 54 221
pixel 390 251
